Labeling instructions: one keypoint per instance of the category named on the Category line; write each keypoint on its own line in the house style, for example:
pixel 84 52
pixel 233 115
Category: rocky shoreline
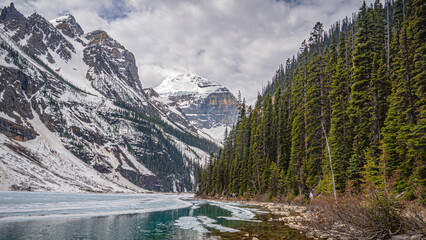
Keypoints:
pixel 301 217
pixel 295 216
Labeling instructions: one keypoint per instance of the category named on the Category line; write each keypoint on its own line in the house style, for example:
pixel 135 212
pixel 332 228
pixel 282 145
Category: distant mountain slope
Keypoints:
pixel 207 104
pixel 74 116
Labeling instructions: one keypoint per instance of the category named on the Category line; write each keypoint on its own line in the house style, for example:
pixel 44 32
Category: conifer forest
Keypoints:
pixel 347 113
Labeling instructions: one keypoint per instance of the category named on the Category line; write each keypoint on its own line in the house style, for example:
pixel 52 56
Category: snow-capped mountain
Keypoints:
pixel 210 106
pixel 74 116
pixel 187 84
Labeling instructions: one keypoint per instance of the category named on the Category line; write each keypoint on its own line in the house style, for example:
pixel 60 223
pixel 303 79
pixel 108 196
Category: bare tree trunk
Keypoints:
pixel 388 5
pixel 403 10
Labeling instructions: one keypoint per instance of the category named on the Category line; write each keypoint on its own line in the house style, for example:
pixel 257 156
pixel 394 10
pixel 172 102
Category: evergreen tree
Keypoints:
pixel 361 86
pixel 340 132
pixel 267 127
pixel 315 108
pixel 273 181
pixel 284 124
pixel 296 175
pixel 359 104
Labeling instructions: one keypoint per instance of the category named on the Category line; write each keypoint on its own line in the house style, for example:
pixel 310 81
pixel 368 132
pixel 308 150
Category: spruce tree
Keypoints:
pixel 315 108
pixel 296 175
pixel 367 95
pixel 359 104
pixel 340 132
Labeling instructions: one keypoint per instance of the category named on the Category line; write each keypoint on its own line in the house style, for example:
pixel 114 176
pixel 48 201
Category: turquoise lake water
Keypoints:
pixel 37 215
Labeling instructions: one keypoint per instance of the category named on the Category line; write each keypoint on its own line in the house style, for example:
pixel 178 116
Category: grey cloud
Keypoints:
pixel 114 10
pixel 238 43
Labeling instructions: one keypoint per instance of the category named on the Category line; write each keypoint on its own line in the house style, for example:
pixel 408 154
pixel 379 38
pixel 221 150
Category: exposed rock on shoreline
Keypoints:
pixel 301 217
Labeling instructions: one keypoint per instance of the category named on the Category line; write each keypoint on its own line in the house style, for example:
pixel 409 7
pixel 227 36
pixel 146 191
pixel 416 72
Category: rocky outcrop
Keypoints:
pixel 16 87
pixel 143 181
pixel 219 106
pixel 38 43
pixel 35 34
pixel 69 26
pixel 15 21
pixel 16 131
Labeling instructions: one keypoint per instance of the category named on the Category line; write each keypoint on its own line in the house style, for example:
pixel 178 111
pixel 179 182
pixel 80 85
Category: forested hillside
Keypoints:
pixel 352 100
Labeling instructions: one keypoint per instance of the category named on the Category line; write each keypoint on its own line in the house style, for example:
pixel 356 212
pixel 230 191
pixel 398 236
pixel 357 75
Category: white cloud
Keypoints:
pixel 238 43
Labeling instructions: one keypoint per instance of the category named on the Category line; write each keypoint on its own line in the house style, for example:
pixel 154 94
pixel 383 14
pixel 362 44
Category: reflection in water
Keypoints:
pixel 153 225
pixel 157 225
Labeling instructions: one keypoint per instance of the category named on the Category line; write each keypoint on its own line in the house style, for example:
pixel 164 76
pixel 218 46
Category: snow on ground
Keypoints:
pixel 5 37
pixel 60 19
pixel 74 70
pixel 141 168
pixel 217 132
pixel 45 164
pixel 194 154
pixel 4 175
pixel 5 116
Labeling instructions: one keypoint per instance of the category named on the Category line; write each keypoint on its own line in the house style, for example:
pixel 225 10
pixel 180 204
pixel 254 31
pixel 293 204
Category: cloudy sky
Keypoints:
pixel 238 43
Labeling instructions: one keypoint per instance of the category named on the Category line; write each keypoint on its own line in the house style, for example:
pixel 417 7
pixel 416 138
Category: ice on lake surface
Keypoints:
pixel 47 215
pixel 25 206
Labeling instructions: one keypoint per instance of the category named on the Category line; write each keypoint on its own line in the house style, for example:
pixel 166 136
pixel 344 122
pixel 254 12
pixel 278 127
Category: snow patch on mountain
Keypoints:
pixel 216 132
pixel 74 70
pixel 45 164
pixel 186 84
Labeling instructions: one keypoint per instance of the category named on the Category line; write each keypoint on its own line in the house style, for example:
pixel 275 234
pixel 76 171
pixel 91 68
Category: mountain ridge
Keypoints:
pixel 86 95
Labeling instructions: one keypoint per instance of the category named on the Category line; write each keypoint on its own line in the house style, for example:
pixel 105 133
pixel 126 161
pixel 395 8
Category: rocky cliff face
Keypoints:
pixel 111 64
pixel 15 88
pixel 74 116
pixel 207 104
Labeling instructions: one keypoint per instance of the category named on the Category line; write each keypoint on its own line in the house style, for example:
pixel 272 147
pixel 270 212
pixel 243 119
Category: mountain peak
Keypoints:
pixel 10 12
pixel 187 84
pixel 108 59
pixel 37 17
pixel 98 34
pixel 68 25
pixel 102 37
pixel 11 7
pixel 208 105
